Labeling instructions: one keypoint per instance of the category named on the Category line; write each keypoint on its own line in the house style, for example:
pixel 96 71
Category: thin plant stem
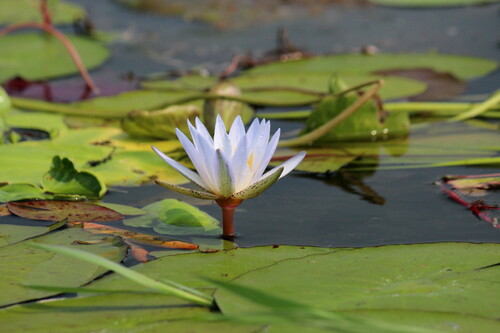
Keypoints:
pixel 325 128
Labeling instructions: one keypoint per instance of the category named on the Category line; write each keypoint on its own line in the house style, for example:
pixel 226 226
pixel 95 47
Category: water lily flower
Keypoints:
pixel 231 166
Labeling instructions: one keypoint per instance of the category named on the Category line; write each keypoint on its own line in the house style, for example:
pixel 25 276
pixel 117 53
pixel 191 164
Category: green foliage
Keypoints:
pixel 175 217
pixel 21 264
pixel 63 178
pixel 462 67
pixel 160 124
pixel 37 56
pixel 368 123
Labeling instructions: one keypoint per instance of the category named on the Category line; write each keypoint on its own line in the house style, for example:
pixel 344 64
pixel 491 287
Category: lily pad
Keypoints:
pixel 13 233
pixel 51 123
pixel 132 313
pixel 36 56
pixel 462 67
pixel 19 191
pixel 432 280
pixel 21 264
pixel 272 86
pixel 175 217
pixel 55 210
pixel 194 269
pixel 22 11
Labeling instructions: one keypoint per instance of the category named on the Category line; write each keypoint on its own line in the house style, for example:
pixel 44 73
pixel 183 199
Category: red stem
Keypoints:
pixel 47 20
pixel 228 206
pixel 65 41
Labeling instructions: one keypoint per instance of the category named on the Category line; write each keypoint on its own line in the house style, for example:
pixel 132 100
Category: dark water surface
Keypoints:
pixel 306 209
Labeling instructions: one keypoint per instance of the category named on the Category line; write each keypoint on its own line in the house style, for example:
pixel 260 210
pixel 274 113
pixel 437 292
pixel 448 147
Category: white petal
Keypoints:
pixel 202 130
pixel 259 142
pixel 237 131
pixel 266 157
pixel 239 164
pixel 225 175
pixel 198 156
pixel 208 162
pixel 258 187
pixel 252 130
pixel 186 172
pixel 221 139
pixel 287 166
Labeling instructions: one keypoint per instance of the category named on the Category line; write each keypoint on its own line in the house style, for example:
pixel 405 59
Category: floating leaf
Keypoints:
pixel 193 269
pixel 13 233
pixel 60 210
pixel 175 217
pixel 63 178
pixel 132 313
pixel 123 209
pixel 160 124
pixel 20 191
pixel 37 56
pixel 5 103
pixel 51 123
pixel 462 67
pixel 22 11
pixel 457 279
pixel 228 110
pixel 285 87
pixel 20 264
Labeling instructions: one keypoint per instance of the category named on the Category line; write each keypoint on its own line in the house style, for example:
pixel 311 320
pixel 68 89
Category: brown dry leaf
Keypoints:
pixel 60 210
pixel 4 211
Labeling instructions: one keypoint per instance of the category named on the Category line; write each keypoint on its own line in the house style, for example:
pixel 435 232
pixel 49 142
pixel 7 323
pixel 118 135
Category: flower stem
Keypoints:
pixel 228 206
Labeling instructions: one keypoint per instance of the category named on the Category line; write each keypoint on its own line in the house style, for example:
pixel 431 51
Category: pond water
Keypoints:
pixel 348 209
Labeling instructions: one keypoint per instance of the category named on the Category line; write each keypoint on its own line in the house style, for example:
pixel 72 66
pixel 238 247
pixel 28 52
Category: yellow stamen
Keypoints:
pixel 250 161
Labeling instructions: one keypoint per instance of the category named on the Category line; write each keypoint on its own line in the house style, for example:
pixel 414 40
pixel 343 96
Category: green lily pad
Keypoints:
pixel 5 103
pixel 19 191
pixel 49 122
pixel 437 282
pixel 193 269
pixel 37 56
pixel 131 313
pixel 13 233
pixel 21 264
pixel 255 82
pixel 175 217
pixel 431 3
pixel 462 67
pixel 22 11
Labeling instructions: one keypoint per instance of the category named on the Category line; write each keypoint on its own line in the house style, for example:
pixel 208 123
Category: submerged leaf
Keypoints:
pixel 175 217
pixel 60 210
